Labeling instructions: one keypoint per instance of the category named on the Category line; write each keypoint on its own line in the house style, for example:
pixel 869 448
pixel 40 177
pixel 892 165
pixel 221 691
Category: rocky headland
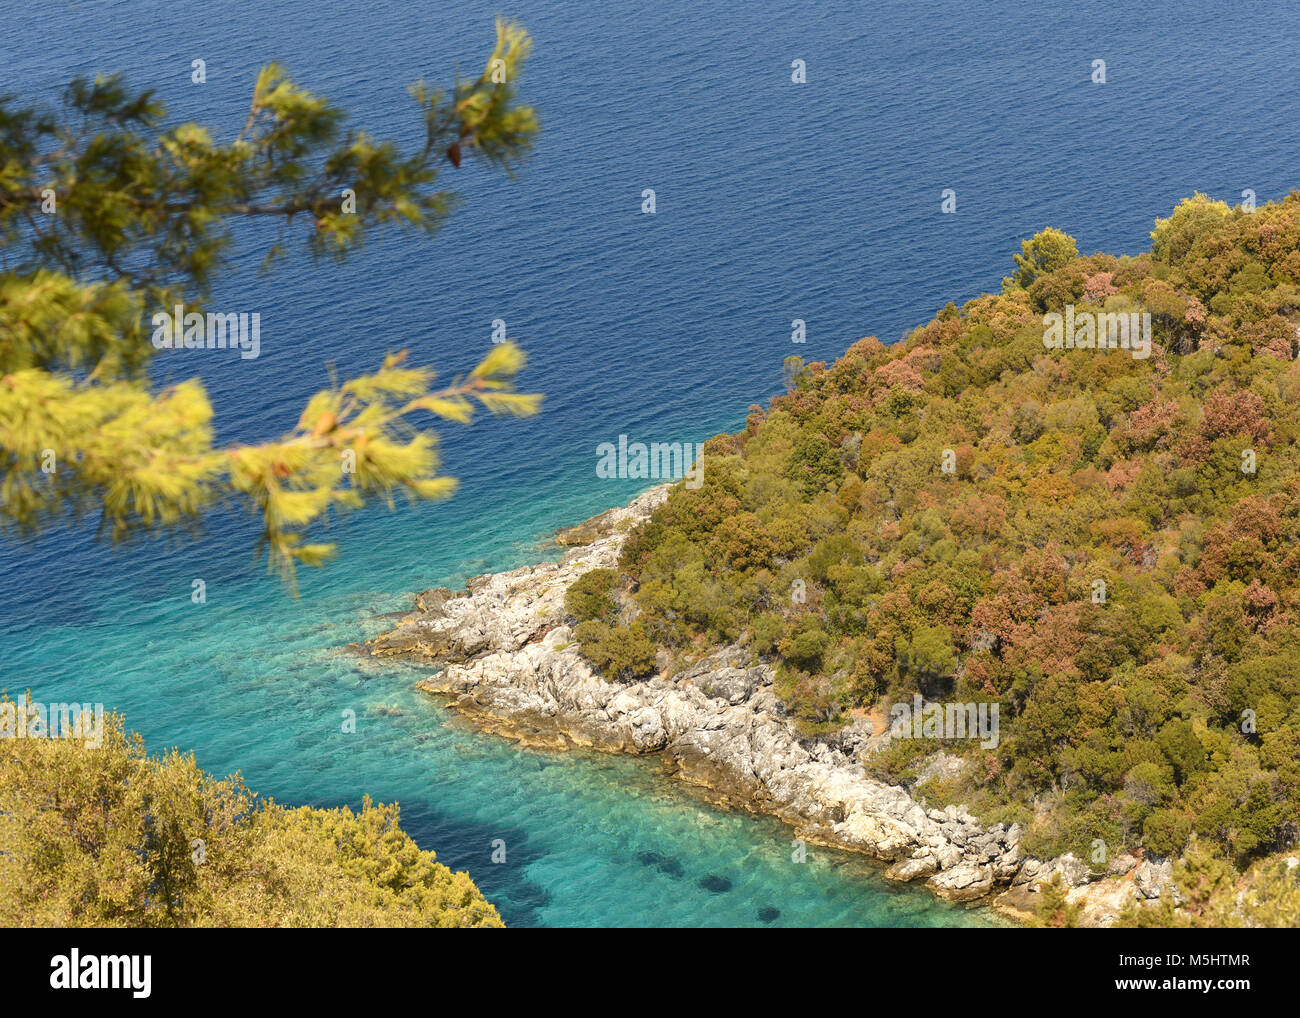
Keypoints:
pixel 508 661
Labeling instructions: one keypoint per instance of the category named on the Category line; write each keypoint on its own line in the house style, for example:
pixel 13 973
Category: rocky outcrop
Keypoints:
pixel 503 612
pixel 1100 896
pixel 509 662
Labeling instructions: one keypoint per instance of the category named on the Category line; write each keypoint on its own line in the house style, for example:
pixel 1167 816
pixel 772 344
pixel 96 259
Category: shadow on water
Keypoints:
pixel 469 847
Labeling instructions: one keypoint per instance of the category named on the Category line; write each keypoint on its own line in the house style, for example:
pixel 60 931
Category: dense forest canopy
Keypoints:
pixel 1101 543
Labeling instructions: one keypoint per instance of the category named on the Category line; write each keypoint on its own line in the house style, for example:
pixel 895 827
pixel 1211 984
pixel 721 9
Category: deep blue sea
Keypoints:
pixel 775 201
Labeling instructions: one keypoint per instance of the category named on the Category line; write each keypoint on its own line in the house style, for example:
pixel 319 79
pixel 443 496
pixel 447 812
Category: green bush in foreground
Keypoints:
pixel 112 837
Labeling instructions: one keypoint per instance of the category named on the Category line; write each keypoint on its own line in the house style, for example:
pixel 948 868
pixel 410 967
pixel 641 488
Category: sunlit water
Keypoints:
pixel 775 202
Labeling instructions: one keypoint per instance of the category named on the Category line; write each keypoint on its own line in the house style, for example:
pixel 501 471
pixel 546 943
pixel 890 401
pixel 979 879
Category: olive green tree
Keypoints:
pixel 96 832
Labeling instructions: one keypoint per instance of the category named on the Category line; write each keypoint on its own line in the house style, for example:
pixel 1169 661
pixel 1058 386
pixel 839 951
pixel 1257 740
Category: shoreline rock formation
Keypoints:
pixel 510 664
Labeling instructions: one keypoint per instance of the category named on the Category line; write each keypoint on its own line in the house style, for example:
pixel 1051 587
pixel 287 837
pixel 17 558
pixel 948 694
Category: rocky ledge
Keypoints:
pixel 509 662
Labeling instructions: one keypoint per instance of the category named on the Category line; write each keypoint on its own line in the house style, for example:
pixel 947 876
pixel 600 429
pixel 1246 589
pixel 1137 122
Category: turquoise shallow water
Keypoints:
pixel 776 202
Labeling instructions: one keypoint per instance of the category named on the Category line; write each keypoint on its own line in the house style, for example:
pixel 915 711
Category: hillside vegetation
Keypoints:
pixel 939 517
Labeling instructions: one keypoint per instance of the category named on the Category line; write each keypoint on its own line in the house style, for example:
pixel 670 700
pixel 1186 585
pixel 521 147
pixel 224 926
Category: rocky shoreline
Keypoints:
pixel 509 663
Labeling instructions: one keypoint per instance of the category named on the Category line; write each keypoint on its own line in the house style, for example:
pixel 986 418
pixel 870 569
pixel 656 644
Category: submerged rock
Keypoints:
pixel 663 863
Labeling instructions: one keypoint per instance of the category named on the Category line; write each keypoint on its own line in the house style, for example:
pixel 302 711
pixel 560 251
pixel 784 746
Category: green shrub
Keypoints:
pixel 592 596
pixel 618 652
pixel 1165 831
pixel 107 835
